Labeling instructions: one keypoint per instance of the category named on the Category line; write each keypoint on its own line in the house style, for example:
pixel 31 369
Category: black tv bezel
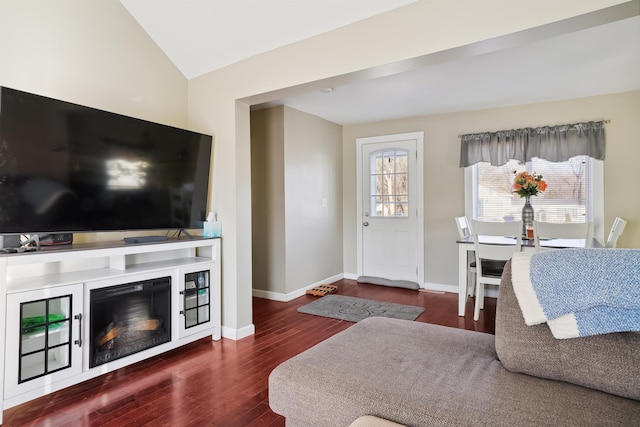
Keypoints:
pixel 198 192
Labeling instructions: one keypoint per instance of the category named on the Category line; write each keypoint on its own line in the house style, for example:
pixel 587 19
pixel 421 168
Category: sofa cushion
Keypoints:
pixel 427 375
pixel 610 362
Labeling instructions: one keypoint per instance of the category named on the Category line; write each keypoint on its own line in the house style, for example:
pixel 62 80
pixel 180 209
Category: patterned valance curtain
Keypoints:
pixel 554 143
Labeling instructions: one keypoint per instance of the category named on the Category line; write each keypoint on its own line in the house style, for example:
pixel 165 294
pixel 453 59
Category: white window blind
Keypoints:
pixel 565 200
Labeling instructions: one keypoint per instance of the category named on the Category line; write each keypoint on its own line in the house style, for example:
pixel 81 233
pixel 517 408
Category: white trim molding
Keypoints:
pixel 490 290
pixel 279 296
pixel 238 334
pixel 419 138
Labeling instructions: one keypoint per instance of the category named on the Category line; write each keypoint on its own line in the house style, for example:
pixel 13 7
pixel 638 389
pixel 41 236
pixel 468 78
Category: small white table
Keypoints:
pixel 465 247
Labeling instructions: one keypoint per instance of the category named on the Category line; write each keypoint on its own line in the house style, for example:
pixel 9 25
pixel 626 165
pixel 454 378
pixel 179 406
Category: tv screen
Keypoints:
pixel 70 168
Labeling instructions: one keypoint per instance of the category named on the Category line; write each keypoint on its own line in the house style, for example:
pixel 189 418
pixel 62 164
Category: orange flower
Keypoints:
pixel 526 184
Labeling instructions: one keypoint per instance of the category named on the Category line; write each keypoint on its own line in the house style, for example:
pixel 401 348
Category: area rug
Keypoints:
pixel 356 309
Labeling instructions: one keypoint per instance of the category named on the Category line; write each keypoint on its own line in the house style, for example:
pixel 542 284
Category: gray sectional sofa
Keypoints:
pixel 418 374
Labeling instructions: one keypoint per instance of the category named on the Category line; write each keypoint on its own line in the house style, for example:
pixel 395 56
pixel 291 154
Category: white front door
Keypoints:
pixel 390 219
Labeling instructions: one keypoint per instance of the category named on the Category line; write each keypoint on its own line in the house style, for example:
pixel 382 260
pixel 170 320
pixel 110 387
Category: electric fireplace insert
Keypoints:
pixel 129 318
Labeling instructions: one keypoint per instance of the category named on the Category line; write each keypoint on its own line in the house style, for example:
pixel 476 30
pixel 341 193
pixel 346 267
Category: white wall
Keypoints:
pixel 420 28
pixel 444 180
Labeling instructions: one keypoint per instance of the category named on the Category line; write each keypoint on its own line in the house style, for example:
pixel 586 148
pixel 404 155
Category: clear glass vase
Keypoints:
pixel 527 215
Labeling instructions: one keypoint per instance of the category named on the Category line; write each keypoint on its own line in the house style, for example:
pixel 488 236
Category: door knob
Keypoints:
pixel 366 224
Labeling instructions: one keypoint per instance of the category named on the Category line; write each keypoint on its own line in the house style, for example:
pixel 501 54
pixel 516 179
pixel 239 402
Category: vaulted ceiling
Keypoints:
pixel 200 36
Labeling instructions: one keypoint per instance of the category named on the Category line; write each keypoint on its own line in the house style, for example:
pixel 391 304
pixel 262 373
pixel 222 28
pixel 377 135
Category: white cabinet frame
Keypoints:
pixel 90 266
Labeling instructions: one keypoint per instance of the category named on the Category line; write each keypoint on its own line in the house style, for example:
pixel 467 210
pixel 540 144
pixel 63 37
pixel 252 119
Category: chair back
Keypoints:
pixel 495 243
pixel 616 230
pixel 490 250
pixel 562 230
pixel 463 226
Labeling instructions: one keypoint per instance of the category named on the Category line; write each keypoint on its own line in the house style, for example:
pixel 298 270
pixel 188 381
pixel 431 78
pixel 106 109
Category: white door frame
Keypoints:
pixel 419 138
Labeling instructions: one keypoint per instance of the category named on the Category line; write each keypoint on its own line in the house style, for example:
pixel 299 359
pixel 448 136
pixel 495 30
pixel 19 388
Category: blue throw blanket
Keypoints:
pixel 579 292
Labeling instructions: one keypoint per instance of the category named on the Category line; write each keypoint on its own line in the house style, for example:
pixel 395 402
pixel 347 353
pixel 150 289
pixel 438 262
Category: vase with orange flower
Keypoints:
pixel 527 185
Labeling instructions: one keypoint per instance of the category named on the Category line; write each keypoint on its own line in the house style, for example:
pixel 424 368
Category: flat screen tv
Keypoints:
pixel 69 168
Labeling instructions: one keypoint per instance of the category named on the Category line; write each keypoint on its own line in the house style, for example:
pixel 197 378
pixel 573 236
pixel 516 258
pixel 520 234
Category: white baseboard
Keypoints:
pixel 275 296
pixel 440 287
pixel 279 296
pixel 238 334
pixel 489 290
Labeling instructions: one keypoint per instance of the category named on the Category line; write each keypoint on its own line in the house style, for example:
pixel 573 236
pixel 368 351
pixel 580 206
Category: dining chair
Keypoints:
pixel 561 230
pixel 464 230
pixel 616 230
pixel 491 257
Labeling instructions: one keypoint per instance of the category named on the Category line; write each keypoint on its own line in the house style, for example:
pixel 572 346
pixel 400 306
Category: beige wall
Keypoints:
pixel 420 28
pixel 313 174
pixel 90 53
pixel 94 53
pixel 296 165
pixel 268 199
pixel 444 180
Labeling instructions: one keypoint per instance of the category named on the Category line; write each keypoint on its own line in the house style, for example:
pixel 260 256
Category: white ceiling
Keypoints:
pixel 200 36
pixel 203 35
pixel 596 61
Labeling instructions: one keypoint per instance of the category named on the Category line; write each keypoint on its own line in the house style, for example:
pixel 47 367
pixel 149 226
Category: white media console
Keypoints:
pixel 76 312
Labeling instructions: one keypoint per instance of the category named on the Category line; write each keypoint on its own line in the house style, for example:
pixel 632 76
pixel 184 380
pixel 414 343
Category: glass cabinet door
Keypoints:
pixel 45 337
pixel 197 298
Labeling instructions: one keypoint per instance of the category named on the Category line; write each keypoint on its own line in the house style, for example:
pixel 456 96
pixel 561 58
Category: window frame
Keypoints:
pixel 373 175
pixel 595 195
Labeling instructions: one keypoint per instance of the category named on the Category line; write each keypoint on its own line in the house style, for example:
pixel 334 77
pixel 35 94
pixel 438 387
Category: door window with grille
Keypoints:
pixel 389 183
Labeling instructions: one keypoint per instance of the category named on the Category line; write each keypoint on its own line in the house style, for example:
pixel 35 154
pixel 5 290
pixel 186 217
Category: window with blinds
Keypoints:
pixel 565 200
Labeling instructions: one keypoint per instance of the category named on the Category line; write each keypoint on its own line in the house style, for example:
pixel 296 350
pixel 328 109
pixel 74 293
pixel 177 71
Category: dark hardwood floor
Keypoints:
pixel 222 383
